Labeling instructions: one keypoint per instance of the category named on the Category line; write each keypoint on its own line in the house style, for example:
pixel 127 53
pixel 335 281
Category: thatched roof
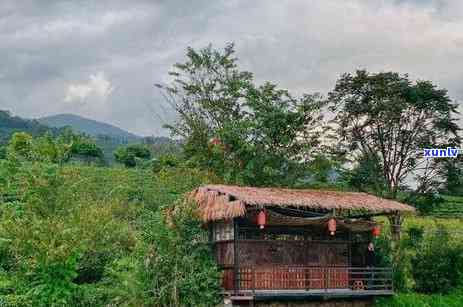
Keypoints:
pixel 218 202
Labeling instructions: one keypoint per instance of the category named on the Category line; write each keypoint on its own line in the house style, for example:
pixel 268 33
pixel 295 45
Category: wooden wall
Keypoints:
pixel 258 253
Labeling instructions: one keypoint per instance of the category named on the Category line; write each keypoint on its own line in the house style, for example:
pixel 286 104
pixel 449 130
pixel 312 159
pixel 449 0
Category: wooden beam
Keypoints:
pixel 236 256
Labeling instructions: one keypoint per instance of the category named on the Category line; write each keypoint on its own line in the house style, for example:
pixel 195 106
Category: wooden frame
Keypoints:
pixel 289 266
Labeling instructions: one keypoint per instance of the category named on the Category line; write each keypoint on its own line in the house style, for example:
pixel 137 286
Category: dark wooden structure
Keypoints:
pixel 292 255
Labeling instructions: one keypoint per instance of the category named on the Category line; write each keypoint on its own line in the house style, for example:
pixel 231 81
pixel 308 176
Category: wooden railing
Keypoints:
pixel 284 277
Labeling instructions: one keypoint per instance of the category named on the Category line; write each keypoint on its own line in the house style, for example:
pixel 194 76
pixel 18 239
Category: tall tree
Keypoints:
pixel 259 133
pixel 392 119
pixel 389 118
pixel 367 175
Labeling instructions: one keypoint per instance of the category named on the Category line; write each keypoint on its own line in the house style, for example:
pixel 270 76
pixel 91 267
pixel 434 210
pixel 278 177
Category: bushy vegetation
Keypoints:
pixel 427 265
pixel 47 148
pixel 439 258
pixel 132 155
pixel 86 236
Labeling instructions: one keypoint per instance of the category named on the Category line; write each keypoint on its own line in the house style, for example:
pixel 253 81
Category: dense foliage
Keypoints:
pixel 245 133
pixel 47 148
pixel 132 155
pixel 440 258
pixel 390 119
pixel 86 236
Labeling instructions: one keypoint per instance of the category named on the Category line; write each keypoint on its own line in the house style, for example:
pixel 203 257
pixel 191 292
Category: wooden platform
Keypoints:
pixel 264 295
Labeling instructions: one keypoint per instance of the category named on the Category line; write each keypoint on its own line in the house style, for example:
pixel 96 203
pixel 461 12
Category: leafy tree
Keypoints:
pixel 390 118
pixel 70 144
pixel 129 155
pixel 367 176
pixel 21 145
pixel 46 149
pixel 245 133
pixel 86 149
pixel 451 170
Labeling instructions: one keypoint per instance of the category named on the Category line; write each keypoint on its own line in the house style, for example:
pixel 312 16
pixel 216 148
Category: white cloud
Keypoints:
pixel 98 87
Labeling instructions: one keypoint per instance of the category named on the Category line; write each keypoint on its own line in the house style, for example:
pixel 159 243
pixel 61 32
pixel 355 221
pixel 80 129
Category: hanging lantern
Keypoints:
pixel 332 226
pixel 376 231
pixel 261 219
pixel 215 141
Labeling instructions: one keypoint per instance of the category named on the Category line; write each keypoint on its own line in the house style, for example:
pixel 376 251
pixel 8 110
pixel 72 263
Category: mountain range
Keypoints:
pixel 88 126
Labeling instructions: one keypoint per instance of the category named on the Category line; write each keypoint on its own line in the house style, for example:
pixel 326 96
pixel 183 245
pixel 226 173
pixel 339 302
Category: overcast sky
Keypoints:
pixel 100 59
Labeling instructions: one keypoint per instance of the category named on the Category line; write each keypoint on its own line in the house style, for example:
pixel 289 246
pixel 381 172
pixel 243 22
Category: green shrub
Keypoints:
pixel 385 258
pixel 437 266
pixel 425 203
pixel 179 267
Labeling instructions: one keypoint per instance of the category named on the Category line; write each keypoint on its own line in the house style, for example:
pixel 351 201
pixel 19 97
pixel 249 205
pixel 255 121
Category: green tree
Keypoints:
pixel 21 145
pixel 129 155
pixel 45 148
pixel 451 170
pixel 86 149
pixel 245 133
pixel 367 176
pixel 388 117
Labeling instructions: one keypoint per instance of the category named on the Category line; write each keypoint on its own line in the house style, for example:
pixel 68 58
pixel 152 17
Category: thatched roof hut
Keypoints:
pixel 218 202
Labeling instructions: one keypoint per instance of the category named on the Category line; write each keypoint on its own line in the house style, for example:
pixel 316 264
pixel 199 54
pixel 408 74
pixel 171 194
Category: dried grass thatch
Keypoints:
pixel 218 202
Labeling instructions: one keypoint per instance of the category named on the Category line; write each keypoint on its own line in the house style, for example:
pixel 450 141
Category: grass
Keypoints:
pixel 452 207
pixel 420 300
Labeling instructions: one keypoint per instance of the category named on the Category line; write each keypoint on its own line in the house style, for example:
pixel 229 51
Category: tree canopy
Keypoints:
pixel 246 133
pixel 128 155
pixel 391 119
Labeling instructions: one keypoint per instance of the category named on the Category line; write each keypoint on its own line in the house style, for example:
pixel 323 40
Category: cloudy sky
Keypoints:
pixel 101 58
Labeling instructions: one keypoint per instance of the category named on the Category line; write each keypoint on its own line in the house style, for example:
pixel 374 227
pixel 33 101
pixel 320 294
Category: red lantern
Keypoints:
pixel 376 231
pixel 215 141
pixel 261 219
pixel 332 226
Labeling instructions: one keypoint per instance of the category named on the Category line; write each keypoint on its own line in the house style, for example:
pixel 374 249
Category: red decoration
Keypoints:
pixel 261 219
pixel 332 226
pixel 215 141
pixel 376 231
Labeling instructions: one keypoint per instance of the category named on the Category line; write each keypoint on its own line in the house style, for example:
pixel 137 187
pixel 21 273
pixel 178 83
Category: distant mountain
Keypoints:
pixel 88 126
pixel 10 124
pixel 107 137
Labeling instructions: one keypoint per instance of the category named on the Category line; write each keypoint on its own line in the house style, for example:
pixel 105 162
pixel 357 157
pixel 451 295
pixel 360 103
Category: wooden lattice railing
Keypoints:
pixel 284 277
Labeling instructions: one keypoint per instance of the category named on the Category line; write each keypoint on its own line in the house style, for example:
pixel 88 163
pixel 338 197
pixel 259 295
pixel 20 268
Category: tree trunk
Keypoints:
pixel 396 224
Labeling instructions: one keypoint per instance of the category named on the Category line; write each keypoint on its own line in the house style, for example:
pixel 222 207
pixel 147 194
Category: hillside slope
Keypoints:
pixel 87 126
pixel 10 124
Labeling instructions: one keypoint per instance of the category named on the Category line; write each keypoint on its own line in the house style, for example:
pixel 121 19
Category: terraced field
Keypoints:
pixel 451 208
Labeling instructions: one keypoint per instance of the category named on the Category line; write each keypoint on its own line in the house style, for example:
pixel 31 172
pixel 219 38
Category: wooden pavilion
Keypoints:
pixel 282 244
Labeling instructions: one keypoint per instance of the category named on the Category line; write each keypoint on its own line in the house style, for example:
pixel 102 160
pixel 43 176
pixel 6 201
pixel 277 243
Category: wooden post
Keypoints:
pixel 395 221
pixel 235 257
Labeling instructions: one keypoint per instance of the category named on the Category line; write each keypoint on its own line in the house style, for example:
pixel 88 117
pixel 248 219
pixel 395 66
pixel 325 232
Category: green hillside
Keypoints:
pixel 89 126
pixel 452 207
pixel 10 124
